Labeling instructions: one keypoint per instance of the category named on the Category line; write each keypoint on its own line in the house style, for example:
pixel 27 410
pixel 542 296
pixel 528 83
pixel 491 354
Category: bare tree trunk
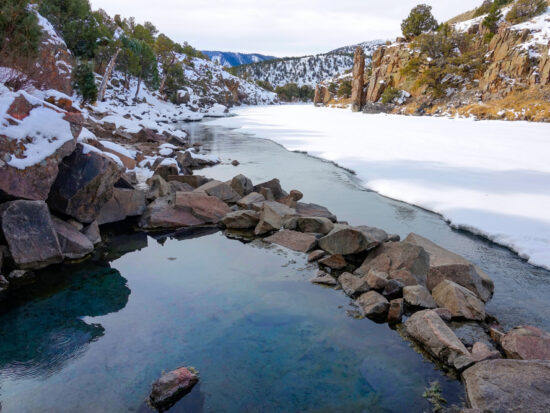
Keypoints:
pixel 107 76
pixel 138 86
pixel 163 81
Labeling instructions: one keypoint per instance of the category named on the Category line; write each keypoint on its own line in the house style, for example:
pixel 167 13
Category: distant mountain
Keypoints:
pixel 306 70
pixel 230 59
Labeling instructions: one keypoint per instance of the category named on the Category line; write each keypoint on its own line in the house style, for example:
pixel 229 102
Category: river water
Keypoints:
pixel 95 335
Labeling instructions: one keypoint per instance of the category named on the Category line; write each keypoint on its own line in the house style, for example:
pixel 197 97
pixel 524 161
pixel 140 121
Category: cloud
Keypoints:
pixel 280 28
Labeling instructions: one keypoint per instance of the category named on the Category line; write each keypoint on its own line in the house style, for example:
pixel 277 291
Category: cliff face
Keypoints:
pixel 510 81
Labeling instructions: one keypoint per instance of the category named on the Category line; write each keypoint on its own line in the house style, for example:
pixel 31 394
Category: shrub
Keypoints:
pixel 264 84
pixel 389 95
pixel 524 10
pixel 420 20
pixel 345 89
pixel 84 82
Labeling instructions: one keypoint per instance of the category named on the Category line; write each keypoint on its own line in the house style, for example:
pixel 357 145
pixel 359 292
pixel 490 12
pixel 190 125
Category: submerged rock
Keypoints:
pixel 30 234
pixel 527 343
pixel 509 386
pixel 171 387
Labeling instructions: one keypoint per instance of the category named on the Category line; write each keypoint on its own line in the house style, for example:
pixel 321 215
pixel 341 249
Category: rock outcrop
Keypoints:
pixel 358 81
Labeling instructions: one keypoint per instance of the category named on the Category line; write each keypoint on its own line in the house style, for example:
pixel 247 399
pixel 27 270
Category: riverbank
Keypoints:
pixel 487 177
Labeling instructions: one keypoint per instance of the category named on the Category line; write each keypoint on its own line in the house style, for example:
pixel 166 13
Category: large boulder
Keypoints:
pixel 209 209
pixel 314 210
pixel 84 184
pixel 171 387
pixel 242 185
pixel 374 305
pixel 30 234
pixel 508 386
pixel 73 243
pixel 162 213
pixel 241 219
pixel 461 302
pixel 123 204
pixel 346 240
pixel 418 296
pixel 318 225
pixel 526 343
pixel 293 240
pixel 220 190
pixel 400 260
pixel 436 338
pixel 445 265
pixel 272 217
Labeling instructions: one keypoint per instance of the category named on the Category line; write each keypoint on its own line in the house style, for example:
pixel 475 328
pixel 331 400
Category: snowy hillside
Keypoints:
pixel 306 70
pixel 369 47
pixel 230 59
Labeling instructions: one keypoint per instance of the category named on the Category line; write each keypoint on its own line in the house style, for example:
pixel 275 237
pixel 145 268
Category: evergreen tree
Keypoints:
pixel 84 82
pixel 20 32
pixel 420 20
pixel 493 18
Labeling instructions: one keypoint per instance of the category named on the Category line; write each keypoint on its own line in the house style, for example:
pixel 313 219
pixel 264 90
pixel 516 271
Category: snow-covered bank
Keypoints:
pixel 490 177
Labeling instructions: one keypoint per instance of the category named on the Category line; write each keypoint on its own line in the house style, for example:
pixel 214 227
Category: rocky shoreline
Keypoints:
pixel 55 211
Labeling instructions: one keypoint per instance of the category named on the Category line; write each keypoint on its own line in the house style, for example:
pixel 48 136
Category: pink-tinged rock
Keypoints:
pixel 315 255
pixel 314 210
pixel 171 387
pixel 220 190
pixel 272 217
pixel 334 262
pixel 29 232
pixel 293 240
pixel 123 204
pixel 527 343
pixel 241 219
pixel 209 209
pixel 162 214
pixel 20 108
pixel 374 305
pixel 481 351
pixel 323 278
pixel 395 313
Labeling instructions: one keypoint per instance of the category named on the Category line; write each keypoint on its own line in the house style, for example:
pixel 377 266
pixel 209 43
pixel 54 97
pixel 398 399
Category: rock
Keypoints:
pixel 162 213
pixel 315 255
pixel 353 285
pixel 293 240
pixel 324 279
pixel 445 265
pixel 148 135
pixel 313 210
pixel 171 387
pixel 345 240
pixel 374 305
pixel 249 200
pixel 496 334
pixel 274 186
pixel 241 219
pixel 444 313
pixel 166 170
pixel 235 162
pixel 272 217
pixel 461 302
pixel 393 289
pixel 402 261
pixel 508 386
pixel 194 180
pixel 92 232
pixel 267 194
pixel 220 190
pixel 208 209
pixel 73 243
pixel 84 184
pixel 526 343
pixel 418 296
pixel 29 232
pixel 19 278
pixel 20 108
pixel 469 332
pixel 395 313
pixel 431 332
pixel 242 185
pixel 322 95
pixel 481 351
pixel 318 225
pixel 335 262
pixel 176 186
pixel 4 285
pixel 123 204
pixel 158 188
pixel 377 280
pixel 291 199
pixel 357 83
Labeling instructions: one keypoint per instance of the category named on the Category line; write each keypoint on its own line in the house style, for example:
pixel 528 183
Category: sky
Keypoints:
pixel 280 27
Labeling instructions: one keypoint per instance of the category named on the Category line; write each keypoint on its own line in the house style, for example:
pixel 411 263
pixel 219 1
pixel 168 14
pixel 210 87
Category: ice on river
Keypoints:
pixel 489 177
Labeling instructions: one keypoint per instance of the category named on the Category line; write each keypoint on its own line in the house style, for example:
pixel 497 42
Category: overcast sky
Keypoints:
pixel 277 27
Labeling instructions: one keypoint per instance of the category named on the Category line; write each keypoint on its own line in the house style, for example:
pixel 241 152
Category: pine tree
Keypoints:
pixel 84 82
pixel 420 20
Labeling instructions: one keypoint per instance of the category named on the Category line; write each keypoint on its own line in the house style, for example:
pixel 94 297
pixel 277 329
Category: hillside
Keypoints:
pixel 230 59
pixel 305 70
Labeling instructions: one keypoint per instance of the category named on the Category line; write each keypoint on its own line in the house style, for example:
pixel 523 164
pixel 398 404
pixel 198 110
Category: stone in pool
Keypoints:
pixel 171 387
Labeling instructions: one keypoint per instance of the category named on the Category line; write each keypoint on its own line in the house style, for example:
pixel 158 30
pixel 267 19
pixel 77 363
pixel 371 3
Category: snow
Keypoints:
pixel 488 177
pixel 89 148
pixel 119 149
pixel 216 111
pixel 540 30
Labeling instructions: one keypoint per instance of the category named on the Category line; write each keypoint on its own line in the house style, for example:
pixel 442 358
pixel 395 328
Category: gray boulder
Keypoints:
pixel 248 201
pixel 508 386
pixel 241 219
pixel 461 302
pixel 353 285
pixel 345 239
pixel 123 204
pixel 274 186
pixel 242 185
pixel 314 210
pixel 220 190
pixel 272 217
pixel 30 234
pixel 445 265
pixel 318 225
pixel 91 231
pixel 73 243
pixel 436 338
pixel 84 184
pixel 418 296
pixel 374 305
pixel 377 280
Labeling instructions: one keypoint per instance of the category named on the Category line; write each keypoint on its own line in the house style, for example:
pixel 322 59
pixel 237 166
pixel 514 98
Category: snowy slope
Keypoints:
pixel 230 59
pixel 489 177
pixel 306 70
pixel 369 47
